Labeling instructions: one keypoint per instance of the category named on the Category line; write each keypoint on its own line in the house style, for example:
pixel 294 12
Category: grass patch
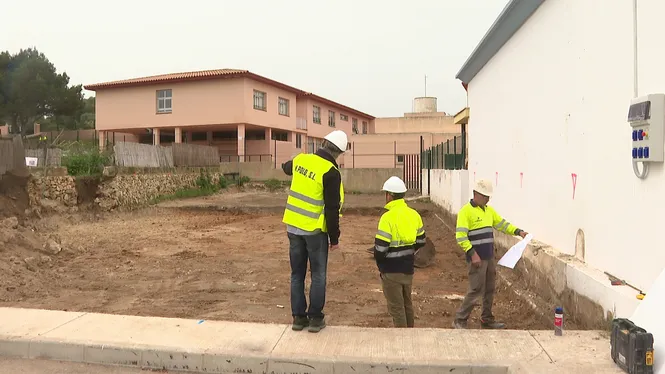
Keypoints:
pixel 183 194
pixel 273 185
pixel 205 186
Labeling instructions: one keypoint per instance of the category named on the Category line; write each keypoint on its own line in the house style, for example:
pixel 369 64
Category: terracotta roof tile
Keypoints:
pixel 192 75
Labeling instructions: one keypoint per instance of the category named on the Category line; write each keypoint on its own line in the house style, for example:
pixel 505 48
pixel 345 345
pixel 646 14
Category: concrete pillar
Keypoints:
pixel 241 143
pixel 178 135
pixel 155 136
pixel 271 145
pixel 102 139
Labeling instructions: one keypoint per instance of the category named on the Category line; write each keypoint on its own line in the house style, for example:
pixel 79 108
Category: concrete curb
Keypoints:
pixel 169 359
pixel 233 347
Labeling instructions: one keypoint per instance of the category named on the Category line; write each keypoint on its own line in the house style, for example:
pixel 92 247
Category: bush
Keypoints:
pixel 204 182
pixel 90 162
pixel 273 185
pixel 222 182
pixel 242 181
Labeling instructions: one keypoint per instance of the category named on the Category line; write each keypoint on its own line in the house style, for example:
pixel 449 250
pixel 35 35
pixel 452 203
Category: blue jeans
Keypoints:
pixel 315 249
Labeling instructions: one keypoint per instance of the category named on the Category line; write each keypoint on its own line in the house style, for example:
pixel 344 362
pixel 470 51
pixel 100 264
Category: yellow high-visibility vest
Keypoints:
pixel 304 206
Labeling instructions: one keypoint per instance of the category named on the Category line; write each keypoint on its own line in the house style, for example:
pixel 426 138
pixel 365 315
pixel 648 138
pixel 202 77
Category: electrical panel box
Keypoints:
pixel 646 116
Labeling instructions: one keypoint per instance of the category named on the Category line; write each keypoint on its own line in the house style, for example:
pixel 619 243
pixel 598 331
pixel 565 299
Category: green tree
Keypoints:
pixel 31 89
pixel 83 119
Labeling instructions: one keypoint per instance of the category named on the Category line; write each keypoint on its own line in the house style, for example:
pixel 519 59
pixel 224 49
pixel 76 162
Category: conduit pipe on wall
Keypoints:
pixel 645 165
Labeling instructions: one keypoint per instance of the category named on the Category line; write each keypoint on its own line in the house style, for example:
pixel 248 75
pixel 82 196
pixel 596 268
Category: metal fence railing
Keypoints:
pixel 449 155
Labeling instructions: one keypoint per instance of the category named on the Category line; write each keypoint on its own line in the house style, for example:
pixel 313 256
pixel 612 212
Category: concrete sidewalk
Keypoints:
pixel 232 347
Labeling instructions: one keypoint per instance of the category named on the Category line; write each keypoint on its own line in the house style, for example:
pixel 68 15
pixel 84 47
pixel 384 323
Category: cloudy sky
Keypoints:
pixel 369 54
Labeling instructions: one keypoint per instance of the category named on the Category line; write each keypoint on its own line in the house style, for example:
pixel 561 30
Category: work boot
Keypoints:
pixel 492 325
pixel 317 324
pixel 459 324
pixel 299 323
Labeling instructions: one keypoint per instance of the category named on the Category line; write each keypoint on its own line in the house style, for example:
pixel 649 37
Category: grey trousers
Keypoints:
pixel 482 283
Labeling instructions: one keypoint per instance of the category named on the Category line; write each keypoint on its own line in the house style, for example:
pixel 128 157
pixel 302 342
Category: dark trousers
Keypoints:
pixel 312 248
pixel 482 282
pixel 397 290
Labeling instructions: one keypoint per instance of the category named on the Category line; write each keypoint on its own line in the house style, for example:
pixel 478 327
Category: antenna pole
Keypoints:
pixel 425 85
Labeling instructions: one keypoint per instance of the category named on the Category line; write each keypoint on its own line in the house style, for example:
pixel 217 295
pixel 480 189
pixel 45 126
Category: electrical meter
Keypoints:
pixel 646 116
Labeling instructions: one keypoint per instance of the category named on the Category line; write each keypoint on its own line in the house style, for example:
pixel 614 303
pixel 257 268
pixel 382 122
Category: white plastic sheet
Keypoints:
pixel 514 254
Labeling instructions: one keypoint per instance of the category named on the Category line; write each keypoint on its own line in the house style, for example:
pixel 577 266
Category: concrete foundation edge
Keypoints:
pixel 176 360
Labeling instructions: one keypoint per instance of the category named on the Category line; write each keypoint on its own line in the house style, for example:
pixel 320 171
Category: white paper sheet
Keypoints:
pixel 514 254
pixel 31 161
pixel 649 316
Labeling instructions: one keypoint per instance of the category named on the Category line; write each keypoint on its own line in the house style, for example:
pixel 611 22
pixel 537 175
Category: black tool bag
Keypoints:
pixel 632 347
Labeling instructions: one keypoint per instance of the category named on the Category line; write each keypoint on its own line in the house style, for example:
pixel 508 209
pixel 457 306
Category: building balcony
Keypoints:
pixel 301 123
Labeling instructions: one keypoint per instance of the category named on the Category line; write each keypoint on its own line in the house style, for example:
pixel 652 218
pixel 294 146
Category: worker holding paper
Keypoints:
pixel 474 233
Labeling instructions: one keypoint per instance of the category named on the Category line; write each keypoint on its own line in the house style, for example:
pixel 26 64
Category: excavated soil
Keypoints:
pixel 209 259
pixel 13 196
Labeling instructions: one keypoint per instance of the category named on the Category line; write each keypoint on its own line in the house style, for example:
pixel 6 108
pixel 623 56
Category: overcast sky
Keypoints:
pixel 372 55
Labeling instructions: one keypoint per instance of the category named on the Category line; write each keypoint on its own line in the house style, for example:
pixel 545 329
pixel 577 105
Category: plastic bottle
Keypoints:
pixel 558 321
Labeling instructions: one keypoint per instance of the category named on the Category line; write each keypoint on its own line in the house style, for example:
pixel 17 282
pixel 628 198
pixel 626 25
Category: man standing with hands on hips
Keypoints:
pixel 312 223
pixel 475 223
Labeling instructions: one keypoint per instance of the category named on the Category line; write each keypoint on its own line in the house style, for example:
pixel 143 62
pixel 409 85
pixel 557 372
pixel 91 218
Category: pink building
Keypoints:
pixel 247 116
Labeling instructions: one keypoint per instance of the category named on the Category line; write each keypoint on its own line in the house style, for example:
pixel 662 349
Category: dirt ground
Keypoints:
pixel 225 257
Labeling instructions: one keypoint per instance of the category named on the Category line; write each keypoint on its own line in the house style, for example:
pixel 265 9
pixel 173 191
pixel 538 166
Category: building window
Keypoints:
pixel 364 127
pixel 331 118
pixel 259 100
pixel 400 159
pixel 354 125
pixel 283 106
pixel 344 117
pixel 164 101
pixel 281 136
pixel 348 146
pixel 316 114
pixel 298 141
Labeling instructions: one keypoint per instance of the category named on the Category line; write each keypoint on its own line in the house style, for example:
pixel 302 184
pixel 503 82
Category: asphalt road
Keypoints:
pixel 24 366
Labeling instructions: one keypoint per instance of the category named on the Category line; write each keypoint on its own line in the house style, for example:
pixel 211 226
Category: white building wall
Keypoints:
pixel 553 102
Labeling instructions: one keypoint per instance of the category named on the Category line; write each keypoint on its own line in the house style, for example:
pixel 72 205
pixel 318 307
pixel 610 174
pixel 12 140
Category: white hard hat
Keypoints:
pixel 339 139
pixel 484 187
pixel 394 185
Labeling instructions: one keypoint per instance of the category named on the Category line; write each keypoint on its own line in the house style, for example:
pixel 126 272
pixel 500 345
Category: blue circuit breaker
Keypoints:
pixel 646 117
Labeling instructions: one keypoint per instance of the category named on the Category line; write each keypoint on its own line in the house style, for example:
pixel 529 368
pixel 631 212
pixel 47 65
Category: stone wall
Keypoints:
pixel 130 187
pixel 53 189
pixel 137 189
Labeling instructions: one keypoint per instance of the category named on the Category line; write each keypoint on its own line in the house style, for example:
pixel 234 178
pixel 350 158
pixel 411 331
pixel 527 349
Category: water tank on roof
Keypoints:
pixel 425 105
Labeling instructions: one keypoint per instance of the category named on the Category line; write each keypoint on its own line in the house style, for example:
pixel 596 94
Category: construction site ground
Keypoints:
pixel 225 257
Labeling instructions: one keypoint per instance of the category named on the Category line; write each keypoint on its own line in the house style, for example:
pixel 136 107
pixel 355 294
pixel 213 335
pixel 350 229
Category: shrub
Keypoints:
pixel 273 185
pixel 242 181
pixel 90 162
pixel 204 182
pixel 222 182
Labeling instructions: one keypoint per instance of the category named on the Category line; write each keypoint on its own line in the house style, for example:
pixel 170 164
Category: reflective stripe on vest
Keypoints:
pixel 399 226
pixel 304 206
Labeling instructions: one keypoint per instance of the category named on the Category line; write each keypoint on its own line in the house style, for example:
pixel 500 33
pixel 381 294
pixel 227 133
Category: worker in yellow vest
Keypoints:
pixel 400 235
pixel 312 216
pixel 476 222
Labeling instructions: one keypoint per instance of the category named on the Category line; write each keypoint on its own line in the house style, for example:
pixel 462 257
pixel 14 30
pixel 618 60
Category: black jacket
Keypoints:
pixel 332 181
